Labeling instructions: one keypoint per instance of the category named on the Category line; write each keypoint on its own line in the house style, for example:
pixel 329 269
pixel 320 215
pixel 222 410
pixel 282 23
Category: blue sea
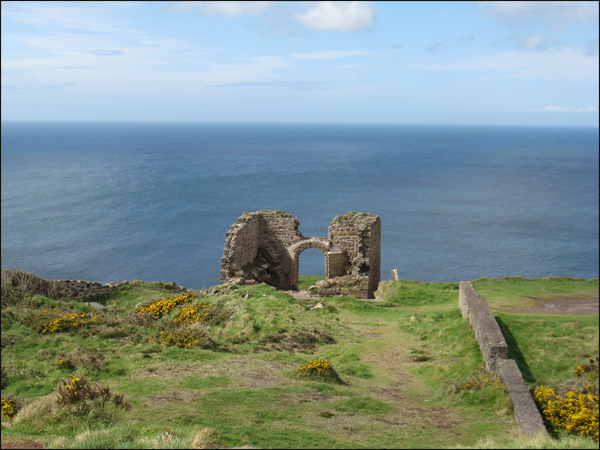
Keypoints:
pixel 106 201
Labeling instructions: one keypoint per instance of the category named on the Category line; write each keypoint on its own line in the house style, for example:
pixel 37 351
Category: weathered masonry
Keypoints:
pixel 265 246
pixel 494 350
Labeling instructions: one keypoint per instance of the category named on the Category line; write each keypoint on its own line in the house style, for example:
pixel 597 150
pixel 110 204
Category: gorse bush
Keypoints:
pixel 590 369
pixel 183 337
pixel 576 413
pixel 56 321
pixel 81 357
pixel 473 382
pixel 319 369
pixel 163 306
pixel 577 410
pixel 190 314
pixel 204 314
pixel 316 366
pixel 64 364
pixel 9 406
pixel 78 391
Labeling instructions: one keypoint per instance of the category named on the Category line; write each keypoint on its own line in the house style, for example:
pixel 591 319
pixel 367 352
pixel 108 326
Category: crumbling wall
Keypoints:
pixel 279 231
pixel 56 289
pixel 358 236
pixel 265 247
pixel 256 248
pixel 244 237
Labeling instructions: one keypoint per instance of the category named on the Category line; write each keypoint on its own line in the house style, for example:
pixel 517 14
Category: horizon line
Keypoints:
pixel 288 123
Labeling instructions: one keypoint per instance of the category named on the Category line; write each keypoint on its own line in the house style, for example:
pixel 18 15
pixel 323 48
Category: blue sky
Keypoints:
pixel 504 63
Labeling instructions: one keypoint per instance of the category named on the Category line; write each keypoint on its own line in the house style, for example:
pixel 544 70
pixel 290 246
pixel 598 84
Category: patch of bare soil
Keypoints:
pixel 23 444
pixel 562 305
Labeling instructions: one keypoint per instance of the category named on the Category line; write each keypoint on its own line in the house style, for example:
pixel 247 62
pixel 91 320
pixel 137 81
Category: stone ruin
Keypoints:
pixel 265 247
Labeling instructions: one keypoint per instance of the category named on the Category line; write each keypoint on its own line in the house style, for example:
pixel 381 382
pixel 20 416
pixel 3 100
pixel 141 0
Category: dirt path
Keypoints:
pixel 23 444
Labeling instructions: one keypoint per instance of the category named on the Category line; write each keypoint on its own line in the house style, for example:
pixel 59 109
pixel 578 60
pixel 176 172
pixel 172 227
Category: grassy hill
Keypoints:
pixel 219 368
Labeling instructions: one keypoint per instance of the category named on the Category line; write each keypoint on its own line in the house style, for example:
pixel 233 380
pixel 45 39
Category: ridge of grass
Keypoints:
pixel 394 360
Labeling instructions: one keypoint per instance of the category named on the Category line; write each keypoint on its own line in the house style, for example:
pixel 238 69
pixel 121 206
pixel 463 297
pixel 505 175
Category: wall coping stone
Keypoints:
pixel 527 414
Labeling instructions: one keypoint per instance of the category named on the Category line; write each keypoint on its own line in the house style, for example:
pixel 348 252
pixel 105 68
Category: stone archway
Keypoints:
pixel 333 258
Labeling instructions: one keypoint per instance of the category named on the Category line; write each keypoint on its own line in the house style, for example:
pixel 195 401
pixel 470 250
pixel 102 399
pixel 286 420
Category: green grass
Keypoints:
pixel 394 360
pixel 307 281
pixel 547 348
pixel 518 292
pixel 414 293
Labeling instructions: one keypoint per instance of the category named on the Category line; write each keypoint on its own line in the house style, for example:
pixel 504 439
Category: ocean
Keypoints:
pixel 110 201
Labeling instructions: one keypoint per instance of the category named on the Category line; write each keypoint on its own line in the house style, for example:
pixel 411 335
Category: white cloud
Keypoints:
pixel 562 109
pixel 329 55
pixel 558 63
pixel 63 16
pixel 557 14
pixel 225 9
pixel 284 85
pixel 340 16
pixel 532 42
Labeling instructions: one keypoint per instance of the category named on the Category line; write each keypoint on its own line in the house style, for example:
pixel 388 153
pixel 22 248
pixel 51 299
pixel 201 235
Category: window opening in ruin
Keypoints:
pixel 312 262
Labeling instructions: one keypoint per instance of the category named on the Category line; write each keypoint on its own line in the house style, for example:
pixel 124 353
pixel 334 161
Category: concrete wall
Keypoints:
pixel 494 350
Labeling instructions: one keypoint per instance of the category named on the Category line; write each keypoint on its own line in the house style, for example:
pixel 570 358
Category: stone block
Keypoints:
pixel 527 414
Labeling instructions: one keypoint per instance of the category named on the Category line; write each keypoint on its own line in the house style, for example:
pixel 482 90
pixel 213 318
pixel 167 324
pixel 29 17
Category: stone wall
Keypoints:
pixel 58 290
pixel 256 248
pixel 358 236
pixel 278 232
pixel 81 289
pixel 494 350
pixel 244 236
pixel 487 332
pixel 265 246
pixel 68 289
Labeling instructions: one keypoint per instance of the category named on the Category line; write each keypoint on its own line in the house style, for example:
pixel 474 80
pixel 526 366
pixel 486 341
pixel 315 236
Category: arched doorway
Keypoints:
pixel 311 264
pixel 318 243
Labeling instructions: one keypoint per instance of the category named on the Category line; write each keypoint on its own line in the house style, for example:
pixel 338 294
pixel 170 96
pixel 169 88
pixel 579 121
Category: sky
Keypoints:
pixel 481 63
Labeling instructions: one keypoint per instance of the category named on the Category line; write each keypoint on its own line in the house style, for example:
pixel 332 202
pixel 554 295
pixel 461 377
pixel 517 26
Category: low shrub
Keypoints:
pixel 473 382
pixel 185 337
pixel 10 406
pixel 57 321
pixel 7 340
pixel 591 369
pixel 296 339
pixel 161 307
pixel 577 409
pixel 87 397
pixel 81 358
pixel 65 363
pixel 190 314
pixel 318 369
pixel 4 378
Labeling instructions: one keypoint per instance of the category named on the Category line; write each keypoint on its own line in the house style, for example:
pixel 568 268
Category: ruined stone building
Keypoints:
pixel 265 246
